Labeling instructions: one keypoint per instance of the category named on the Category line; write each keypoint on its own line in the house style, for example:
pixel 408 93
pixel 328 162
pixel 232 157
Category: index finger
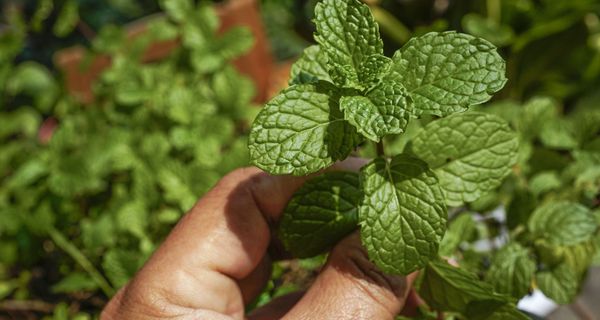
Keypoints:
pixel 220 241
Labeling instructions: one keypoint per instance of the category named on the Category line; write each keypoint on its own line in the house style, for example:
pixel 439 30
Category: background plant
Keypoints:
pixel 83 211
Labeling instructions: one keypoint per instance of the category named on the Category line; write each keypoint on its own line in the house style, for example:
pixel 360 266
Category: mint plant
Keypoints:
pixel 343 92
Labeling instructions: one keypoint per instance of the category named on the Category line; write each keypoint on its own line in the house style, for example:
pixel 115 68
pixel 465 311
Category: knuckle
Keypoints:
pixel 355 263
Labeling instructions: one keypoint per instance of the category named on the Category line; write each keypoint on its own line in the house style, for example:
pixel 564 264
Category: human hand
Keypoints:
pixel 216 260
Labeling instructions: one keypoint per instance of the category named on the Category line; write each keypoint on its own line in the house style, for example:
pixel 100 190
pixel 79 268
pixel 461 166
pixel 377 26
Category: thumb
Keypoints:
pixel 352 287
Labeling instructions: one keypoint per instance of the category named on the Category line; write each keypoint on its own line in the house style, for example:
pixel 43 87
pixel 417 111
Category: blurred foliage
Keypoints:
pixel 552 46
pixel 80 212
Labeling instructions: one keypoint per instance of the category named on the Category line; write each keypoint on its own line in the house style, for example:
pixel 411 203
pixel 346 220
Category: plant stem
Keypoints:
pixel 390 25
pixel 62 242
pixel 86 30
pixel 494 9
pixel 581 310
pixel 26 305
pixel 380 149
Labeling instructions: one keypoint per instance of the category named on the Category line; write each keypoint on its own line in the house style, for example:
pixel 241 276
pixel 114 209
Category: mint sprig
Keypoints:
pixel 344 91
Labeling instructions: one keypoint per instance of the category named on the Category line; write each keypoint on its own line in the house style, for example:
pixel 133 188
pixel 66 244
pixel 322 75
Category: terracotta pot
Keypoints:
pixel 257 63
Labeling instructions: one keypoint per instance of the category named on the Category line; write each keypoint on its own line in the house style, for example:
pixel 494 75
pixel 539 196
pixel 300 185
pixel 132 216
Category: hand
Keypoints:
pixel 216 260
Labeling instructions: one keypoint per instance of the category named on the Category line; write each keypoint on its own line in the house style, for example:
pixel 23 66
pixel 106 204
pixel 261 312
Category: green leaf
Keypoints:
pixel 373 68
pixel 94 233
pixel 133 217
pixel 320 213
pixel 75 282
pixel 535 114
pixel 35 80
pixel 520 207
pixel 301 131
pixel 23 121
pixel 559 133
pixel 120 265
pixel 461 229
pixel 511 271
pixel 447 288
pixel 579 257
pixel 235 42
pixel 488 29
pixel 562 223
pixel 559 283
pixel 505 312
pixel 175 189
pixel 28 173
pixel 402 215
pixel 232 91
pixel 42 12
pixel 544 181
pixel 595 260
pixel 348 34
pixel 471 153
pixel 448 72
pixel 384 110
pixel 67 19
pixel 177 10
pixel 311 67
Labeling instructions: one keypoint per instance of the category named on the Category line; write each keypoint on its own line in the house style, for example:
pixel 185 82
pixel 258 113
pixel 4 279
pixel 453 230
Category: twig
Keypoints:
pixel 26 305
pixel 390 25
pixel 581 311
pixel 62 242
pixel 494 9
pixel 86 30
pixel 380 149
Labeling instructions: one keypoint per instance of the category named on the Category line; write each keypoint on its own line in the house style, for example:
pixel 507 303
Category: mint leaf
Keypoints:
pixel 323 211
pixel 461 229
pixel 562 223
pixel 75 282
pixel 559 283
pixel 384 110
pixel 311 67
pixel 506 312
pixel 67 19
pixel 534 115
pixel 344 76
pixel 595 259
pixel 177 10
pixel 579 257
pixel 402 216
pixel 471 154
pixel 489 29
pixel 544 181
pixel 512 270
pixel 347 31
pixel 447 288
pixel 301 131
pixel 121 265
pixel 559 133
pixel 448 72
pixel 373 67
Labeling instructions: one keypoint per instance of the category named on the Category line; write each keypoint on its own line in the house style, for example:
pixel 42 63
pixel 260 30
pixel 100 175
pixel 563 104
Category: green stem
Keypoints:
pixel 593 68
pixel 62 242
pixel 494 10
pixel 390 25
pixel 380 149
